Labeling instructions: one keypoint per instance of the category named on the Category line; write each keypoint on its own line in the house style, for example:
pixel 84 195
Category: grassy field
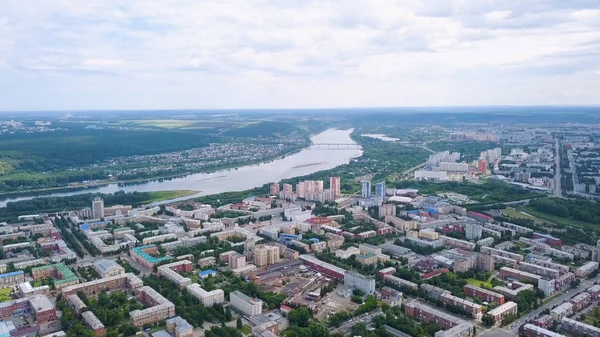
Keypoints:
pixel 478 283
pixel 513 213
pixel 5 295
pixel 166 195
pixel 560 220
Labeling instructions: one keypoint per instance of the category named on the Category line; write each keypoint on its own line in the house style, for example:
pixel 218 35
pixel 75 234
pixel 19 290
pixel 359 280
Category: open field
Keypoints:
pixel 478 283
pixel 166 195
pixel 513 213
pixel 560 220
pixel 5 295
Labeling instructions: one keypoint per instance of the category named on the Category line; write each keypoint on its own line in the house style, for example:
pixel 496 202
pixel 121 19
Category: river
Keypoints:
pixel 246 177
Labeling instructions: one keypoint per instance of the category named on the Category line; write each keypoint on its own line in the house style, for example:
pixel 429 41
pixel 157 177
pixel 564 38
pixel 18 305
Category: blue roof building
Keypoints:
pixel 206 273
pixel 314 240
pixel 11 274
pixel 286 238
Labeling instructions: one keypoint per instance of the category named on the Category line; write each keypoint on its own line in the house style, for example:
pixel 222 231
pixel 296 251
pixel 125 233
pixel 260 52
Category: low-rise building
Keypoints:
pixel 207 261
pixel 563 310
pixel 11 279
pixel 531 330
pixel 579 328
pixel 473 308
pixel 158 308
pixel 92 322
pixel 500 313
pixel 345 254
pixel 586 269
pixel 580 301
pixel 522 276
pixel 485 294
pixel 179 327
pixel 450 325
pixel 207 298
pixel 171 271
pixel 107 268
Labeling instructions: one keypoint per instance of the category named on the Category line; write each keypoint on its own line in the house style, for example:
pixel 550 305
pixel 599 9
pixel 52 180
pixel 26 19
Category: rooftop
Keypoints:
pixel 245 297
pixel 106 265
pixel 11 274
pixel 152 259
pixel 40 303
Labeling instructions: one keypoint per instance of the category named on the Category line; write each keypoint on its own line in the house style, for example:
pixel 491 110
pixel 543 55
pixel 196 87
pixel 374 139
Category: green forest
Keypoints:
pixel 580 210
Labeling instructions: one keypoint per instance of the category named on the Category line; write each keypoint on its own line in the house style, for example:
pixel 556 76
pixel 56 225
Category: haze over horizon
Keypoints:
pixel 106 55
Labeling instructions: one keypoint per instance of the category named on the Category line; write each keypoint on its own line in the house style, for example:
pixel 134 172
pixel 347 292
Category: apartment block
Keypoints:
pixel 531 330
pixel 92 322
pixel 76 303
pixel 586 269
pixel 425 313
pixel 503 253
pixel 484 294
pixel 345 254
pixel 581 301
pixel 171 272
pixel 473 308
pixel 207 298
pixel 11 279
pixel 563 310
pixel 509 273
pixel 147 256
pixel 500 313
pixel 158 308
pixel 401 282
pixel 179 327
pixel 92 288
pixel 207 261
pixel 514 289
pixel 539 270
pixel 43 310
pixel 245 304
pixel 62 275
pixel 236 261
pixel 456 243
pixel 579 328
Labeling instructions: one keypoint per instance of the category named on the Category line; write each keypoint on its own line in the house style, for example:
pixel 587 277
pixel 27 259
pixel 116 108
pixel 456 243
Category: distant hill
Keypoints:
pixel 262 129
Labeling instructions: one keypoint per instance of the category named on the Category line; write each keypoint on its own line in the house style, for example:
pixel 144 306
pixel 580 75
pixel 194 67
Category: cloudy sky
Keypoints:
pixel 161 54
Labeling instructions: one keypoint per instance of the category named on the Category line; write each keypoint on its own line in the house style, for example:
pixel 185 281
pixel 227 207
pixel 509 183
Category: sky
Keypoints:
pixel 236 54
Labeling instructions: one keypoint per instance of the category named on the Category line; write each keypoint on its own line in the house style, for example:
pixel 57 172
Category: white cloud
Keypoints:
pixel 250 54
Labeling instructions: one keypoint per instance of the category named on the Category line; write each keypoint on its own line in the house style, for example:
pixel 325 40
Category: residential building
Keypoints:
pixel 500 313
pixel 345 254
pixel 62 275
pixel 563 310
pixel 158 308
pixel 473 231
pixel 236 261
pixel 335 186
pixel 473 308
pixel 513 289
pixel 92 288
pixel 425 313
pixel 485 294
pixel 76 303
pixel 11 279
pixel 457 243
pixel 43 310
pixel 147 256
pixel 579 328
pixel 179 327
pixel 98 208
pixel 594 291
pixel 433 291
pixel 509 273
pixel 92 322
pixel 380 190
pixel 358 281
pixel 539 270
pixel 207 261
pixel 207 298
pixel 171 271
pixel 586 269
pixel 580 301
pixel 366 189
pixel 531 330
pixel 401 282
pixel 242 302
